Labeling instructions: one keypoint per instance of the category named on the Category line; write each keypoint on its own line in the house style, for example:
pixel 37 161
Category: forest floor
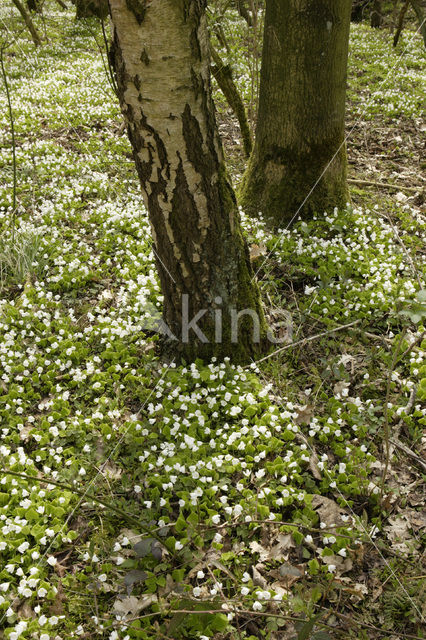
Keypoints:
pixel 148 499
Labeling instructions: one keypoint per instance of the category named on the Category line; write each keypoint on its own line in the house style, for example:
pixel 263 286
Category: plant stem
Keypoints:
pixel 12 128
pixel 386 424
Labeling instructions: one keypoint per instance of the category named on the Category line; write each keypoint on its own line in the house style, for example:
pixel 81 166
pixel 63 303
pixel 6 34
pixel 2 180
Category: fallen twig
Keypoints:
pixel 407 410
pixel 409 452
pixel 386 431
pixel 384 185
pixel 305 340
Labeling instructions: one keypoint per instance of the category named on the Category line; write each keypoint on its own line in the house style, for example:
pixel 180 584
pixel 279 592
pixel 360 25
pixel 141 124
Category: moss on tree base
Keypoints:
pixel 283 187
pixel 298 166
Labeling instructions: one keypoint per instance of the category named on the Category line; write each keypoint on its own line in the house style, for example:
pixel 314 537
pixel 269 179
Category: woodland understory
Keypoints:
pixel 144 497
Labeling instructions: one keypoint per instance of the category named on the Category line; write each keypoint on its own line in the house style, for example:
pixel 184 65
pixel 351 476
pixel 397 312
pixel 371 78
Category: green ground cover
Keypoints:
pixel 142 487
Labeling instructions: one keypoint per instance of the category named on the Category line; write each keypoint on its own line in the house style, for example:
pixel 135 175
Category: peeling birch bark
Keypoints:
pixel 161 59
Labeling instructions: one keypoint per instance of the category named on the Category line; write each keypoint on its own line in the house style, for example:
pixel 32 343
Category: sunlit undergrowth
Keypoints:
pixel 382 80
pixel 237 491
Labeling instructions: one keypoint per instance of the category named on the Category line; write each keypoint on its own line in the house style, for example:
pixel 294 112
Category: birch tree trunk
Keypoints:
pixel 160 52
pixel 299 159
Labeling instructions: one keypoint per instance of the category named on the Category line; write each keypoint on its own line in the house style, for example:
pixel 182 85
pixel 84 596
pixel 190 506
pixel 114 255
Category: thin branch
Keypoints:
pixel 12 129
pixel 384 185
pixel 409 452
pixel 400 22
pixel 386 424
pixel 306 340
pixel 27 19
pixel 223 75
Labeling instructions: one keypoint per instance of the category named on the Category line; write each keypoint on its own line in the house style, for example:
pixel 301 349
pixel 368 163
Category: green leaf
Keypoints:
pixel 313 566
pixel 307 628
pixel 133 577
pixel 192 518
pixel 144 547
pixel 4 499
pixel 416 311
pixel 181 523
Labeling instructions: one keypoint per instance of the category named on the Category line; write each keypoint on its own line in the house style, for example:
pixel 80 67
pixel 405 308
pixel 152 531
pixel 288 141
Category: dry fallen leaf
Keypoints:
pixel 342 564
pixel 289 574
pixel 313 466
pixel 397 531
pixel 341 389
pixel 127 605
pixel 284 543
pixel 257 250
pixel 132 605
pixel 257 548
pixel 417 519
pixel 304 414
pixel 345 359
pixel 279 589
pixel 258 579
pixel 25 433
pixel 361 589
pixel 133 537
pixel 329 511
pixel 111 471
pixel 25 610
pixel 277 550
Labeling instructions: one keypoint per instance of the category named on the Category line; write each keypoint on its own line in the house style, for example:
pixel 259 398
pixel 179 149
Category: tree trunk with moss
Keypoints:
pixel 29 23
pixel 34 5
pixel 299 163
pixel 244 12
pixel 419 7
pixel 223 76
pixel 160 52
pixel 376 14
pixel 358 8
pixel 400 24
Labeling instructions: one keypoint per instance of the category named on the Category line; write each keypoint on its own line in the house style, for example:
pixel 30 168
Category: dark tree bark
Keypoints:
pixel 161 58
pixel 358 7
pixel 400 24
pixel 34 5
pixel 223 75
pixel 29 23
pixel 244 12
pixel 419 7
pixel 376 18
pixel 299 160
pixel 91 8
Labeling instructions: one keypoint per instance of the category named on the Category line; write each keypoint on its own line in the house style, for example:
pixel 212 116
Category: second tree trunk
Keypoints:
pixel 299 161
